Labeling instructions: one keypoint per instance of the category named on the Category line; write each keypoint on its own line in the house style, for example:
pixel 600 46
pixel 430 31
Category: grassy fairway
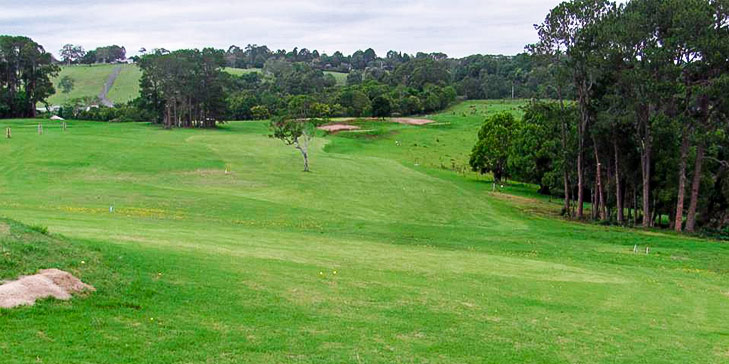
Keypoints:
pixel 195 265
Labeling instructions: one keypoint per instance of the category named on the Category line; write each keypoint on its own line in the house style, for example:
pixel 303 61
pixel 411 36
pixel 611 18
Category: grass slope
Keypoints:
pixel 195 265
pixel 89 81
pixel 126 86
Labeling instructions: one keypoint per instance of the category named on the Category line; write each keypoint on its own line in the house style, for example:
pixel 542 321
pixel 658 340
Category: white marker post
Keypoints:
pixel 40 129
pixel 8 133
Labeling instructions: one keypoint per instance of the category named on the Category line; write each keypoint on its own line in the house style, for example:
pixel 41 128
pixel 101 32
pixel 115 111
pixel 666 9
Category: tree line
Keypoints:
pixel 25 72
pixel 474 77
pixel 76 54
pixel 645 141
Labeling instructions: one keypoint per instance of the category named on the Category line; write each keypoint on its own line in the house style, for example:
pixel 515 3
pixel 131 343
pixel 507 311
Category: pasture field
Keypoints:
pixel 388 252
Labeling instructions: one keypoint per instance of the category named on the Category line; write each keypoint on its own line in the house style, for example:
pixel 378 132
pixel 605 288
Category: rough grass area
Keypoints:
pixel 387 252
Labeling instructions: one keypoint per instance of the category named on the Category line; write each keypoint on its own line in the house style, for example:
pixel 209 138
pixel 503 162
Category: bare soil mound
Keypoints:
pixel 333 128
pixel 47 283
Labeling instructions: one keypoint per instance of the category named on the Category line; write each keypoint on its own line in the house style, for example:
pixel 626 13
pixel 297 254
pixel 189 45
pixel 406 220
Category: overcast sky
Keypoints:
pixel 456 27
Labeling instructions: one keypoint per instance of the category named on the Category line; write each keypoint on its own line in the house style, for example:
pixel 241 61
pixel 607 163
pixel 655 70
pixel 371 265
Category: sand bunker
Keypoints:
pixel 408 121
pixel 48 283
pixel 338 127
pixel 411 121
pixel 341 126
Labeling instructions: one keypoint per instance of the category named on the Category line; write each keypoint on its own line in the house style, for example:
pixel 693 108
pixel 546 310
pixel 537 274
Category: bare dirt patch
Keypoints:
pixel 333 128
pixel 47 283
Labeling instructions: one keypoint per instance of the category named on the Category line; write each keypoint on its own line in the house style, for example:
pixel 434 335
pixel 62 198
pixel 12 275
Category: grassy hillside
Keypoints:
pixel 126 86
pixel 380 255
pixel 89 81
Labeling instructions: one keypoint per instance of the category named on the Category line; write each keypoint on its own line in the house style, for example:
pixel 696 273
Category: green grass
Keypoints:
pixel 195 265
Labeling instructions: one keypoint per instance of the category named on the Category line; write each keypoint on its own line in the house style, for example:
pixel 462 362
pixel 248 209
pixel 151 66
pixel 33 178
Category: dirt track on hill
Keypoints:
pixel 107 87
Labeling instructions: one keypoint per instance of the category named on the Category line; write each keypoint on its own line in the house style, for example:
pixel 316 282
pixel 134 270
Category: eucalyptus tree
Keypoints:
pixel 71 53
pixel 572 26
pixel 25 76
pixel 184 88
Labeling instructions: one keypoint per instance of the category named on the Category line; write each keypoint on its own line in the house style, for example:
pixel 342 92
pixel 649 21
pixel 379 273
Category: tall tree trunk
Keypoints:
pixel 580 187
pixel 695 185
pixel 565 171
pixel 581 131
pixel 645 161
pixel 593 202
pixel 618 192
pixel 598 181
pixel 678 222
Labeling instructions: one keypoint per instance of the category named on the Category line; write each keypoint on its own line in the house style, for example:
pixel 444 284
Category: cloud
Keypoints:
pixel 456 27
